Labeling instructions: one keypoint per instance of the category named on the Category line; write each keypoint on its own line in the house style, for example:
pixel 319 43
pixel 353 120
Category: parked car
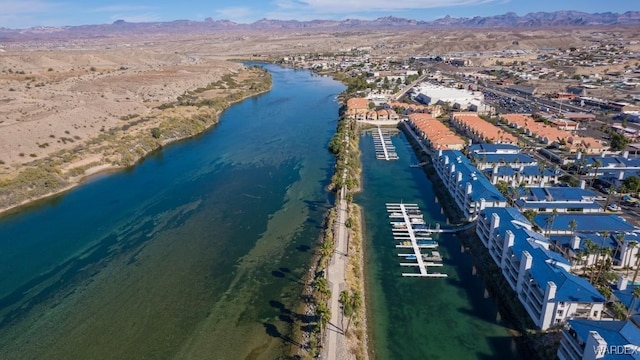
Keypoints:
pixel 613 207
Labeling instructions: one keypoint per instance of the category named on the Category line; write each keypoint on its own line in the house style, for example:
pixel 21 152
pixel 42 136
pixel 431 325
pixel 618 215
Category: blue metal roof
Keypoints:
pixel 481 186
pixel 535 171
pixel 491 148
pixel 613 161
pixel 502 171
pixel 615 333
pixel 616 174
pixel 557 205
pixel 584 222
pixel 560 194
pixel 626 297
pixel 505 158
pixel 547 265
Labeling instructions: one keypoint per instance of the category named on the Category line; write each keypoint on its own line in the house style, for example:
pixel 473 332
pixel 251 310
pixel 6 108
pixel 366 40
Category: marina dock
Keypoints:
pixel 383 145
pixel 410 232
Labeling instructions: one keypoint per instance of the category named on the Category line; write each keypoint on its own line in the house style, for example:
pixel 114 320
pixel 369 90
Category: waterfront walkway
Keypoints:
pixel 335 346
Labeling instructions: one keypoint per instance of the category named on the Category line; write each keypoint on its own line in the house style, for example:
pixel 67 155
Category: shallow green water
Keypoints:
pixel 414 318
pixel 197 252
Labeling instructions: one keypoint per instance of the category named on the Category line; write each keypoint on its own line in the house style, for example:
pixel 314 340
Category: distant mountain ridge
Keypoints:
pixel 508 20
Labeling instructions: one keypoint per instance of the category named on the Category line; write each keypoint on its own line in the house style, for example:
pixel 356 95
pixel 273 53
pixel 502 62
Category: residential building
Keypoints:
pixel 434 133
pixel 357 108
pixel 623 247
pixel 558 199
pixel 541 278
pixel 559 224
pixel 610 169
pixel 515 161
pixel 523 176
pixel 485 148
pixel 606 340
pixel 470 189
pixel 551 135
pixel 481 130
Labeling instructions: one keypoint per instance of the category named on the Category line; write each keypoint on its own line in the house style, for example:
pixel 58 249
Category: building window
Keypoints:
pixel 560 312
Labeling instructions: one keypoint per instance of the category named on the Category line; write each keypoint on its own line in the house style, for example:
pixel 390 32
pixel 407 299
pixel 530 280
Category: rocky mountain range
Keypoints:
pixel 508 20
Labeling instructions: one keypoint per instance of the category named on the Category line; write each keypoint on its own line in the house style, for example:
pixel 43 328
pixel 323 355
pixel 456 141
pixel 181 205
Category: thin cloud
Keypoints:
pixel 120 8
pixel 237 14
pixel 137 18
pixel 14 7
pixel 317 8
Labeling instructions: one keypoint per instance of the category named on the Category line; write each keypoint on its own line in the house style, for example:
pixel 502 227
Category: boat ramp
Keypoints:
pixel 410 232
pixel 384 148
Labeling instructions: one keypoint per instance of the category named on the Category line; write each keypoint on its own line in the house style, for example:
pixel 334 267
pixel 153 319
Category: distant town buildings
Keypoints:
pixel 428 94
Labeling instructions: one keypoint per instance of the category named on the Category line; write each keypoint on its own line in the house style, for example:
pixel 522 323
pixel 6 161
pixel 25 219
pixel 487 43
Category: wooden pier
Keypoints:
pixel 383 145
pixel 409 232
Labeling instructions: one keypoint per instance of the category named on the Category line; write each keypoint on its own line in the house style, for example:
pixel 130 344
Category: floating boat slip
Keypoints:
pixel 383 146
pixel 409 233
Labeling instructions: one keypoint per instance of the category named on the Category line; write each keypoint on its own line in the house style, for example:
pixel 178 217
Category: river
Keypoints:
pixel 196 252
pixel 421 318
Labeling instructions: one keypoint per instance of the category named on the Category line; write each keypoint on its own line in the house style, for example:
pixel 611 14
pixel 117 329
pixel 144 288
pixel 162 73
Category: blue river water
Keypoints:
pixel 421 318
pixel 196 252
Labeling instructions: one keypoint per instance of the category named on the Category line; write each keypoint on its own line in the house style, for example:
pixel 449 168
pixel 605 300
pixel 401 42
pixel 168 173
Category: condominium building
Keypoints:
pixel 481 130
pixel 470 189
pixel 590 340
pixel 540 277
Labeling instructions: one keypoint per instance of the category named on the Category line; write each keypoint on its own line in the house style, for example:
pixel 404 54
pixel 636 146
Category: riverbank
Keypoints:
pixel 123 146
pixel 337 289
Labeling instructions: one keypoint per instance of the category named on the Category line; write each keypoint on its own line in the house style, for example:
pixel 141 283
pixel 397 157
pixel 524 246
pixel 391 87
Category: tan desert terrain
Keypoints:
pixel 74 107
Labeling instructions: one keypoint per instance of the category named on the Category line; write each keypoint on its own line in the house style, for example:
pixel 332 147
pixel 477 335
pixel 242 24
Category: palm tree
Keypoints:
pixel 623 190
pixel 579 258
pixel 632 245
pixel 347 309
pixel 356 304
pixel 324 316
pixel 601 250
pixel 606 255
pixel 635 273
pixel 322 288
pixel 549 222
pixel 619 242
pixel 636 296
pixel 597 164
pixel 590 249
pixel 325 250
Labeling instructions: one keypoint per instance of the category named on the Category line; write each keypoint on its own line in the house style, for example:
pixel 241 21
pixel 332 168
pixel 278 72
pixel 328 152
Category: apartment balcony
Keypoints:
pixel 495 256
pixel 512 280
pixel 573 346
pixel 565 354
pixel 535 294
pixel 582 313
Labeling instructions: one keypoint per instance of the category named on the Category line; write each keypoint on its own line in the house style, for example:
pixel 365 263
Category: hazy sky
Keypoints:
pixel 27 13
